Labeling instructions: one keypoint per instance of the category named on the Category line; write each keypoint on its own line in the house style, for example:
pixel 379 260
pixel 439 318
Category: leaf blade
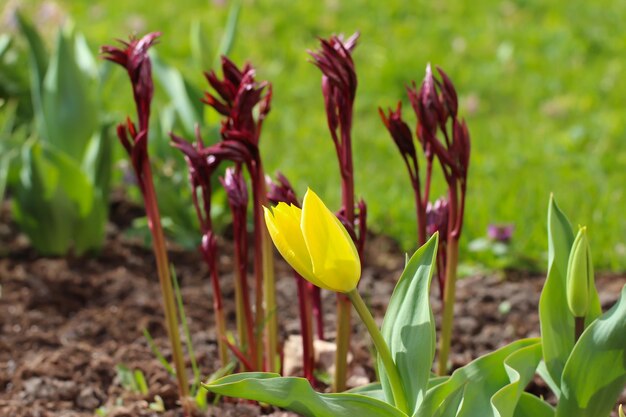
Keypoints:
pixel 408 327
pixel 295 394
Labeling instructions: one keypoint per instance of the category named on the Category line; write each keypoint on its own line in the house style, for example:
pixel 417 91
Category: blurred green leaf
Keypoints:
pixel 295 394
pixel 200 47
pixel 185 97
pixel 37 51
pixel 38 63
pixel 69 104
pixel 230 31
pixel 5 43
pixel 409 326
pixel 55 203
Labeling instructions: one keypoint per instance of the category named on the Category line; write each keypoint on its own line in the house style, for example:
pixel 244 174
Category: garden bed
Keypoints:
pixel 67 322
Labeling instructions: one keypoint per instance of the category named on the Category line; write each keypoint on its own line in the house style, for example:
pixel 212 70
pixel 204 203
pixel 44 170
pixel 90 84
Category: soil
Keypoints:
pixel 66 323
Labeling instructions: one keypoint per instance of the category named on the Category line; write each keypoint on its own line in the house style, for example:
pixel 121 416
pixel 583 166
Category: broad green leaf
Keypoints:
pixel 54 203
pixel 68 104
pixel 450 405
pixel 595 373
pixel 479 380
pixel 90 229
pixel 186 98
pixel 557 322
pixel 39 208
pixel 520 367
pixel 409 327
pixel 374 390
pixel 73 182
pixel 531 406
pixel 295 394
pixel 84 57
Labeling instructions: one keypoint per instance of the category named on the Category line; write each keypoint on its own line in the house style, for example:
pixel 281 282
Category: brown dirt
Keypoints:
pixel 65 323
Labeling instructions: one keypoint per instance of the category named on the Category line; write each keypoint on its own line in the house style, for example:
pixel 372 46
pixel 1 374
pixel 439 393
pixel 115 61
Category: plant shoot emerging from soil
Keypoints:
pixel 134 58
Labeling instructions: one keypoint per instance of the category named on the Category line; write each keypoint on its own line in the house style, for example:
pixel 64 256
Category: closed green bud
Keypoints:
pixel 579 275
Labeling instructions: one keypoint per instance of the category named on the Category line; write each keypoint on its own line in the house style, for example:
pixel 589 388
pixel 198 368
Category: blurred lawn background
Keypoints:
pixel 540 84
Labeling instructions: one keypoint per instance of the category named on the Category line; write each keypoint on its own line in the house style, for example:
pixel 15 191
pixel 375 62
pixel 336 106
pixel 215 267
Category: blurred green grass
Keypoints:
pixel 540 84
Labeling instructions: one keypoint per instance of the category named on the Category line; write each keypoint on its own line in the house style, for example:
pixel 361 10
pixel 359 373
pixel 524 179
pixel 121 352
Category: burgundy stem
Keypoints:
pixel 241 257
pixel 316 298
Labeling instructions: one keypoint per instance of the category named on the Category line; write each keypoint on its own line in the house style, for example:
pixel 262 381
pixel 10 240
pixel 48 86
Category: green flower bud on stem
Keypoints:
pixel 579 275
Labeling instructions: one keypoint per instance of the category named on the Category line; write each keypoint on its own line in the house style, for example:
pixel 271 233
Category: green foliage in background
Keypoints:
pixel 539 83
pixel 57 154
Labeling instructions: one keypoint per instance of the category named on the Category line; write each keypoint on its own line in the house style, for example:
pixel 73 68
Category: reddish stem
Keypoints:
pixel 316 298
pixel 241 250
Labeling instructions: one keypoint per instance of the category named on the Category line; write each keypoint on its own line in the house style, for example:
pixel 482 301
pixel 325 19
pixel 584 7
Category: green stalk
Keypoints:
pixel 186 332
pixel 383 351
pixel 449 295
pixel 269 293
pixel 344 310
pixel 165 281
pixel 265 280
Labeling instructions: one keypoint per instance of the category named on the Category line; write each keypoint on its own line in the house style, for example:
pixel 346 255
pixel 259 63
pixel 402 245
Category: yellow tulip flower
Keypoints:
pixel 315 243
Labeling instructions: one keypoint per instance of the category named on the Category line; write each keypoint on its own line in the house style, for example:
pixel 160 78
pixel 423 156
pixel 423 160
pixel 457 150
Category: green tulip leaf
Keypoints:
pixel 69 105
pixel 37 50
pixel 73 182
pixel 557 322
pixel 295 394
pixel 408 327
pixel 595 373
pixel 54 202
pixel 38 62
pixel 531 406
pixel 520 367
pixel 484 382
pixel 373 390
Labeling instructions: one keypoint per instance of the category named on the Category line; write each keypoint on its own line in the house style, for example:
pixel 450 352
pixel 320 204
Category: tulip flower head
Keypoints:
pixel 315 243
pixel 580 280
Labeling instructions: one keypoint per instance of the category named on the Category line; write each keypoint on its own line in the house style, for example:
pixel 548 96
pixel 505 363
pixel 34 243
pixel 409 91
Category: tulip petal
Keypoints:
pixel 283 224
pixel 334 257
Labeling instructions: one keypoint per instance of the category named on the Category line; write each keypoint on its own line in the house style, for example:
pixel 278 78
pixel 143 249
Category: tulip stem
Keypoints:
pixel 579 323
pixel 449 295
pixel 342 341
pixel 383 350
